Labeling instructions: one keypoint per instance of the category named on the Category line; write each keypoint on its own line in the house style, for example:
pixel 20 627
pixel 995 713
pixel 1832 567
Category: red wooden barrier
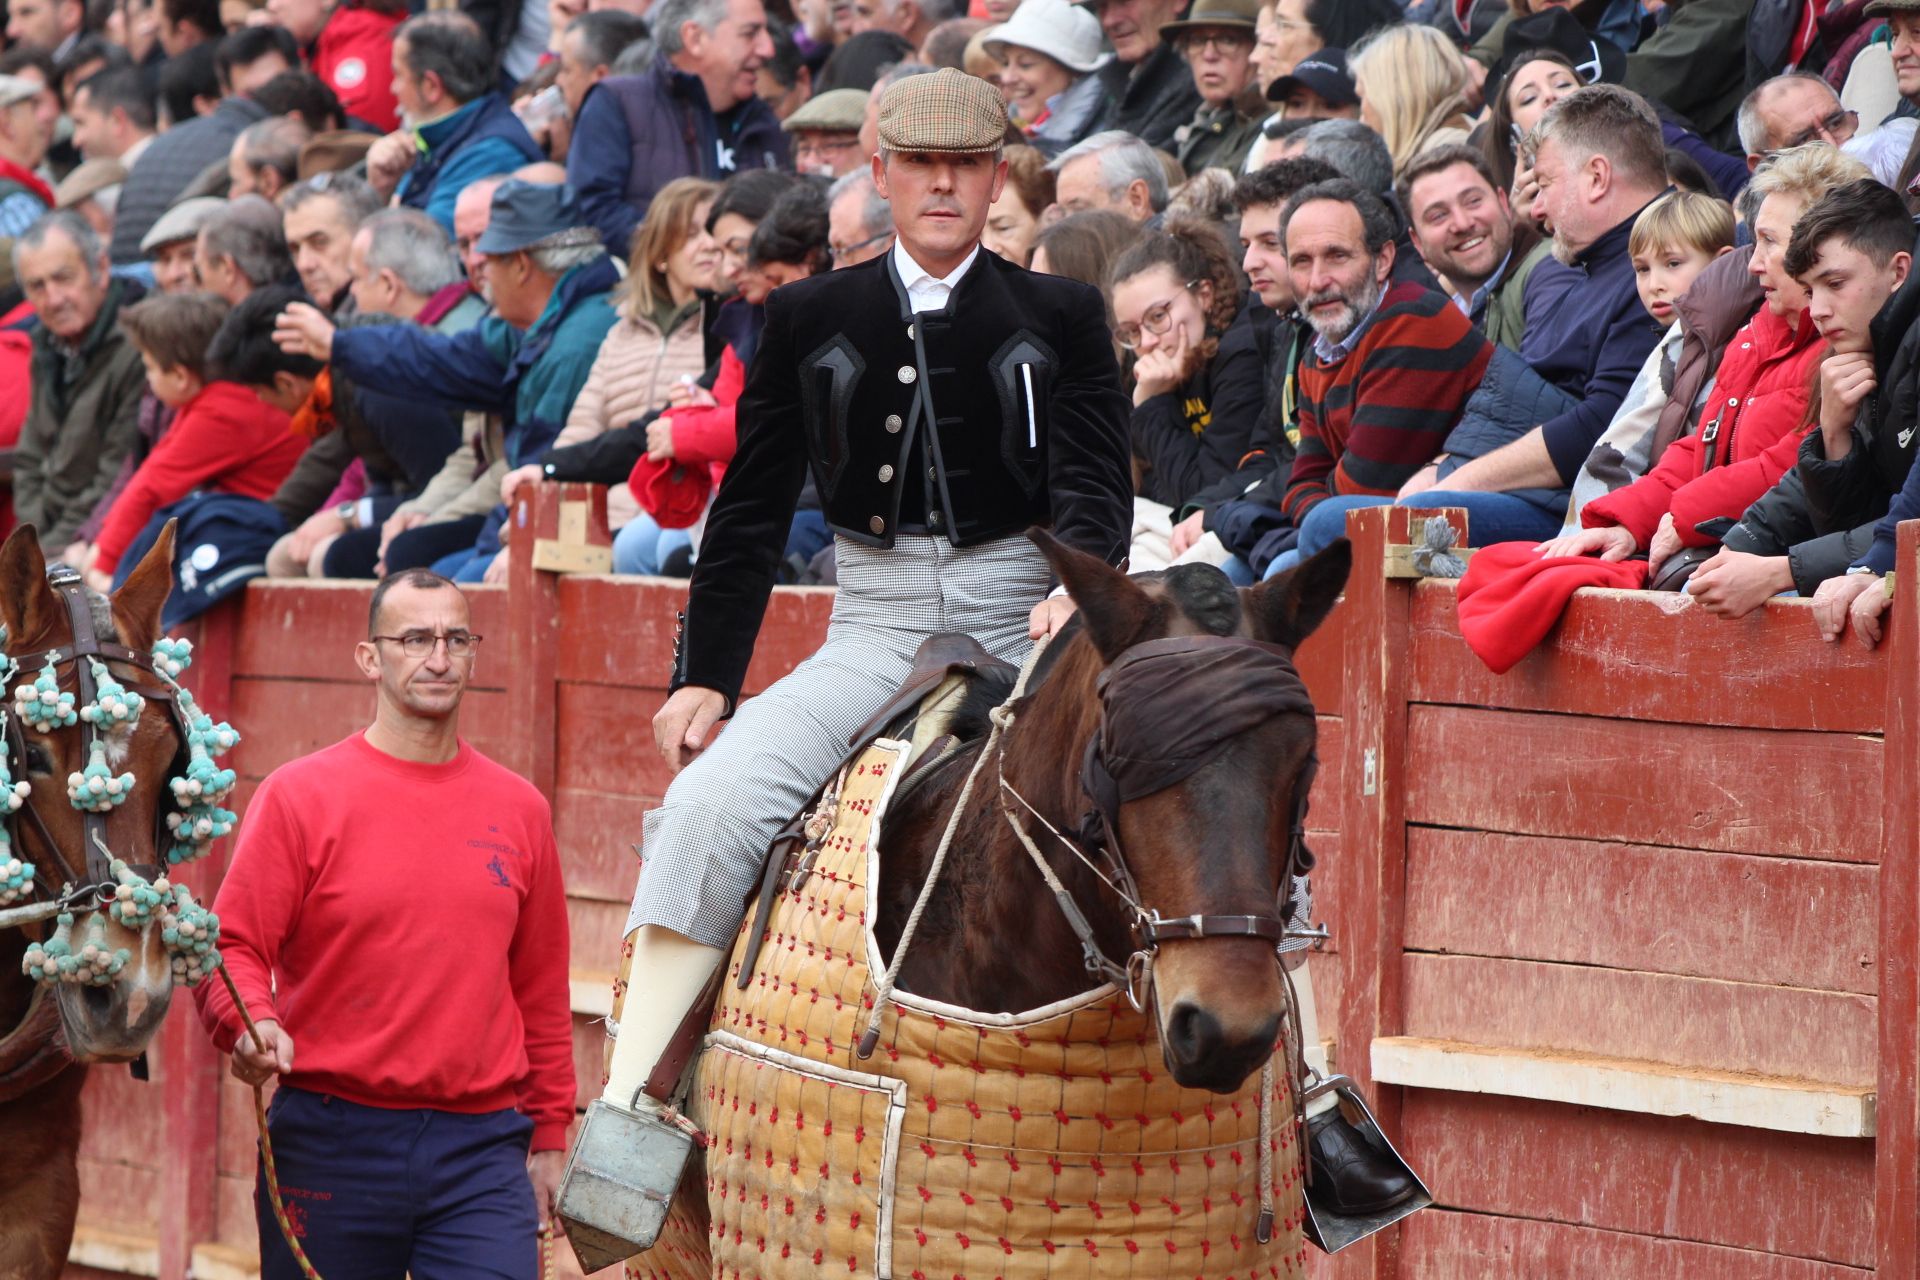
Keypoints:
pixel 1646 865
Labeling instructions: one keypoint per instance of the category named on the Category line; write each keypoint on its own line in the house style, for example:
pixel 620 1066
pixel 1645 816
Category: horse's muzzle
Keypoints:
pixel 1202 1054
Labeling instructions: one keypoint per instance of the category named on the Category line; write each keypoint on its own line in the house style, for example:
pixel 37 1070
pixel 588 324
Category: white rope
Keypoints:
pixel 1002 718
pixel 1265 1228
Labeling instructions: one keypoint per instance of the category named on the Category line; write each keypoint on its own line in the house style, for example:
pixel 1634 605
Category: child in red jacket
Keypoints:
pixel 223 437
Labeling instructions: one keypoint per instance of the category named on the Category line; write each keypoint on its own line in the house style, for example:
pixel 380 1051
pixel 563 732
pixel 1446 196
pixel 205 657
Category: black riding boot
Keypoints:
pixel 1351 1176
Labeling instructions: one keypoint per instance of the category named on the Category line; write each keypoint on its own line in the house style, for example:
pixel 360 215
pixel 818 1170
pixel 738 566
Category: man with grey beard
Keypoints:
pixel 1391 368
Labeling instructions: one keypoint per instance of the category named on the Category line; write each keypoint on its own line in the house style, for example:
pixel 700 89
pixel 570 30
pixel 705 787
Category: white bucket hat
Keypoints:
pixel 1064 32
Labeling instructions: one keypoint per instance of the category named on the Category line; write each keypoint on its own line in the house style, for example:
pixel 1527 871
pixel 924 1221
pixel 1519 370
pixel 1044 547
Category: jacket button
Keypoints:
pixel 893 423
pixel 935 520
pixel 909 333
pixel 886 474
pixel 877 525
pixel 907 373
pixel 933 474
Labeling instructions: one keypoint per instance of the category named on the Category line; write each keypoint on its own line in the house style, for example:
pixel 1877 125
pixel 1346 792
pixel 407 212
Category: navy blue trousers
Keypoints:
pixel 376 1194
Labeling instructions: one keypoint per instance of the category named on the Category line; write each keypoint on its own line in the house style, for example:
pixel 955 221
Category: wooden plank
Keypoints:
pixel 1321 663
pixel 1779 793
pixel 1650 1175
pixel 114 1251
pixel 306 629
pixel 1442 1245
pixel 1620 1084
pixel 594 931
pixel 597 833
pixel 1323 802
pixel 1654 656
pixel 1699 914
pixel 1897 1172
pixel 533 632
pixel 605 737
pixel 1372 823
pixel 125 1121
pixel 119 1196
pixel 1694 1022
pixel 619 631
pixel 238 1227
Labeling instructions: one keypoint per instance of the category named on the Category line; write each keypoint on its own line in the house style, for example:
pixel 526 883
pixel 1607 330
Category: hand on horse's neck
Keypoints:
pixel 414 738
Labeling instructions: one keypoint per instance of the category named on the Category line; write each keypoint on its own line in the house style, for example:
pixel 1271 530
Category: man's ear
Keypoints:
pixel 1902 264
pixel 693 38
pixel 1600 170
pixel 880 175
pixel 1138 196
pixel 1725 249
pixel 1385 270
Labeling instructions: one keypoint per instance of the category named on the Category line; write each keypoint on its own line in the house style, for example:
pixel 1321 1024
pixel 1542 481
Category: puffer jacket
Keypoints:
pixel 639 361
pixel 1822 514
pixel 1748 435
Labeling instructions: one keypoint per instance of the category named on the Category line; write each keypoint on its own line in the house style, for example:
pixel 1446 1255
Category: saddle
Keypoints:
pixel 927 710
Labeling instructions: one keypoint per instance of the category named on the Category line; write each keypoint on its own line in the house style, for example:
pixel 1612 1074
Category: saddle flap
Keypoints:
pixel 939 656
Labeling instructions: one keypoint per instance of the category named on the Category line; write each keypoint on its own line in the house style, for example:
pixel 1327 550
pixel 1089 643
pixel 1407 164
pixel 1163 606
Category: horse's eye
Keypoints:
pixel 39 761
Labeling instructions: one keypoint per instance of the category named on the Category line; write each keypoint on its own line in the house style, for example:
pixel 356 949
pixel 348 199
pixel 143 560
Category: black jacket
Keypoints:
pixel 1262 472
pixel 1151 100
pixel 1196 436
pixel 844 384
pixel 1821 514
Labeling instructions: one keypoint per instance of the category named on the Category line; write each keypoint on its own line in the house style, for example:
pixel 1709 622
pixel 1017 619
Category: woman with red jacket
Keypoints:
pixel 1749 430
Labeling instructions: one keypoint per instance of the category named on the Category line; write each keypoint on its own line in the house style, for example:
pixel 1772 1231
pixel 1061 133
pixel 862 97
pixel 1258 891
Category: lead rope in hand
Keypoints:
pixel 548 1268
pixel 266 1141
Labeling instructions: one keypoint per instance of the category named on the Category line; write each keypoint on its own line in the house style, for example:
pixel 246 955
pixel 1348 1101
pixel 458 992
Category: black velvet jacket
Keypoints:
pixel 1028 426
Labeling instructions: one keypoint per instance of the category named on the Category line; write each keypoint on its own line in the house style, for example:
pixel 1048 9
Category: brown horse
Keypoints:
pixel 49 1033
pixel 1214 844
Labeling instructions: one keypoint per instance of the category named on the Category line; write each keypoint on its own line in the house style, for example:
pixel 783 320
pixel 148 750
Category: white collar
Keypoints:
pixel 913 274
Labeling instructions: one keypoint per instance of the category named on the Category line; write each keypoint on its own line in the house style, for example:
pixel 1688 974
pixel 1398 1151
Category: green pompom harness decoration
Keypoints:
pixel 80 954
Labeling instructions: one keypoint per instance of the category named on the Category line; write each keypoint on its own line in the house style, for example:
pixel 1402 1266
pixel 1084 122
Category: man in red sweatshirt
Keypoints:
pixel 395 921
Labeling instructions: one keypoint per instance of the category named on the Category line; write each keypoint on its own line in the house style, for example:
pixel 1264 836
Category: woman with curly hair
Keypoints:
pixel 1177 304
pixel 1413 87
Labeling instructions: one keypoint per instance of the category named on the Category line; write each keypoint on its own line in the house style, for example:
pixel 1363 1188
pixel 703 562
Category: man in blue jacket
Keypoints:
pixel 694 113
pixel 455 125
pixel 549 278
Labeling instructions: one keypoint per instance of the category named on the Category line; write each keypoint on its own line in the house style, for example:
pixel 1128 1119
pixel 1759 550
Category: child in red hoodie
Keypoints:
pixel 223 437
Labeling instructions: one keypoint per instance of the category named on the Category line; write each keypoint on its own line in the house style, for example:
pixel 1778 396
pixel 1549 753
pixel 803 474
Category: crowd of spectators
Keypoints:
pixel 330 280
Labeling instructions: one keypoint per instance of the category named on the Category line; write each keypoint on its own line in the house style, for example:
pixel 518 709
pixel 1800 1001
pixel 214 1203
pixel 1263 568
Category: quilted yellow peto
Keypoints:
pixel 1052 1143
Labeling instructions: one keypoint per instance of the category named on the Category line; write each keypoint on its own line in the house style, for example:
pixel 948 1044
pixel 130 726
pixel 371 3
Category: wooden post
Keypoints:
pixel 1373 832
pixel 186 1069
pixel 1896 1214
pixel 555 528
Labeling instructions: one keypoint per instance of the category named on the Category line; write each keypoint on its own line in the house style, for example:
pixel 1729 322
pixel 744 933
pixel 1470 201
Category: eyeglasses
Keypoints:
pixel 1157 320
pixel 844 252
pixel 420 644
pixel 1220 42
pixel 1836 128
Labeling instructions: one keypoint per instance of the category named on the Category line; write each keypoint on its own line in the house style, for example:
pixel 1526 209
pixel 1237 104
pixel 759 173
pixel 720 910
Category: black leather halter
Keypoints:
pixel 99 881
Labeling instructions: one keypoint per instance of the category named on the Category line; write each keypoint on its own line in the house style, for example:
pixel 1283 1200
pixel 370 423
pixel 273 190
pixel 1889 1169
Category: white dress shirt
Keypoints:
pixel 925 291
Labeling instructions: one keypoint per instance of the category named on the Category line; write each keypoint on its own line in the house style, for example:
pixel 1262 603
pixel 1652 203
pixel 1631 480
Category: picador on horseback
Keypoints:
pixel 945 401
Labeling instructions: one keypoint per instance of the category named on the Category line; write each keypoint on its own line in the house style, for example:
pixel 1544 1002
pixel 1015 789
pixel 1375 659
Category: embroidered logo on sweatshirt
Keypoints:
pixel 498 870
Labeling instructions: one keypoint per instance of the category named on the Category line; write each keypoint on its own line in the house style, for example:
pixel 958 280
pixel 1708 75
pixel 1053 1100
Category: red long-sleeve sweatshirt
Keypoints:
pixel 224 439
pixel 406 924
pixel 1757 414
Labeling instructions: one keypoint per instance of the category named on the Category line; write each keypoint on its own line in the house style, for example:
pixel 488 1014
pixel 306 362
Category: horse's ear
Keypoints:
pixel 137 604
pixel 1286 609
pixel 1115 611
pixel 27 604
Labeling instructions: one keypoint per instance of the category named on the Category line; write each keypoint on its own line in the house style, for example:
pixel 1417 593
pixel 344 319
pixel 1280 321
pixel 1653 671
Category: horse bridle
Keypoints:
pixel 100 879
pixel 1211 725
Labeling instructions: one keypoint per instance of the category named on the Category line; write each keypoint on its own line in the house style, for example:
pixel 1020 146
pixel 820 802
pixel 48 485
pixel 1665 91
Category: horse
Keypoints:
pixel 1167 809
pixel 1213 844
pixel 51 1033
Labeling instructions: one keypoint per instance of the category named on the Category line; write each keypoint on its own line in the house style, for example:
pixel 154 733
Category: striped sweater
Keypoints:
pixel 1371 419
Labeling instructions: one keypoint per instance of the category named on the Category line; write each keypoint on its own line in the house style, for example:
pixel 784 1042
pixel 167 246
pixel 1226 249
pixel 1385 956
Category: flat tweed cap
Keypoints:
pixel 948 111
pixel 1891 6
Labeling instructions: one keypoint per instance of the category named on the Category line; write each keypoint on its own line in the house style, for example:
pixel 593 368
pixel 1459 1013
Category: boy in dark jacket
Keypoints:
pixel 1854 251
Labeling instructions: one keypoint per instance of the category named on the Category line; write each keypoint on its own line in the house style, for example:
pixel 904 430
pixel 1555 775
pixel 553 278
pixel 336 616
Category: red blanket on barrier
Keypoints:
pixel 1512 595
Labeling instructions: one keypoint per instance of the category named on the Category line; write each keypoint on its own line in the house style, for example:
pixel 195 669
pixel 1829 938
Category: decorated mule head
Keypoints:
pixel 107 780
pixel 1199 755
